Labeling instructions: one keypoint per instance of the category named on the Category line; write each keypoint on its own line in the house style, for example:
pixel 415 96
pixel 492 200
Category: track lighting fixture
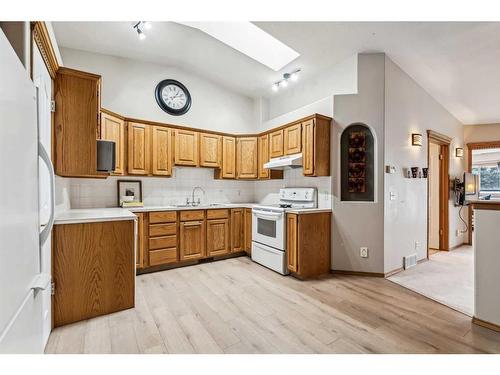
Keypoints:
pixel 293 76
pixel 140 26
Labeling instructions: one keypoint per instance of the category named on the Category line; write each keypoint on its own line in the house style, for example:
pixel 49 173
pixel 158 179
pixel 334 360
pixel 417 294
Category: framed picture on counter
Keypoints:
pixel 129 191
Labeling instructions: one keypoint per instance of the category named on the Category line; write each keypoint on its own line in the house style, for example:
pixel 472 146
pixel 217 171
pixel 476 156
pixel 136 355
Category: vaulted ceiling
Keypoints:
pixel 456 62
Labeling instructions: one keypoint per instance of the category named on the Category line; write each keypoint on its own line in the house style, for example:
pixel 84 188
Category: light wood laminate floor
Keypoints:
pixel 237 306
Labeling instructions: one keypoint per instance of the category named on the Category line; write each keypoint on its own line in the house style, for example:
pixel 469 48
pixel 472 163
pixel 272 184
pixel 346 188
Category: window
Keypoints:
pixel 489 177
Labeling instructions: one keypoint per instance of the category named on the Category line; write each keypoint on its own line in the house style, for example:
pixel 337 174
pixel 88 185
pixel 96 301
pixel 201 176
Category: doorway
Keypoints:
pixel 438 155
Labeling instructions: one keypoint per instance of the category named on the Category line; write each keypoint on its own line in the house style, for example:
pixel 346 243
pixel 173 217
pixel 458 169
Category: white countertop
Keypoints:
pixel 91 215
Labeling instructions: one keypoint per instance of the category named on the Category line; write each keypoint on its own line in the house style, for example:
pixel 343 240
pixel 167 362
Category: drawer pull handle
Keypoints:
pixel 192 224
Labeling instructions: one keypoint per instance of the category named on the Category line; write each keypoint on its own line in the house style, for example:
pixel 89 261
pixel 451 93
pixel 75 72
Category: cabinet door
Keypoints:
pixel 139 148
pixel 246 162
pixel 218 237
pixel 228 157
pixel 293 139
pixel 139 250
pixel 186 148
pixel 308 137
pixel 161 151
pixel 113 129
pixel 237 228
pixel 276 144
pixel 291 242
pixel 77 123
pixel 263 145
pixel 248 230
pixel 192 240
pixel 210 150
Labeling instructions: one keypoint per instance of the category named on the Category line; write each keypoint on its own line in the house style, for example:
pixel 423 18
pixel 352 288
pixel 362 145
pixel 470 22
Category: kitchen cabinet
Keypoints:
pixel 162 238
pixel 246 161
pixel 228 169
pixel 248 230
pixel 139 162
pixel 263 158
pixel 139 246
pixel 113 129
pixel 308 255
pixel 161 151
pixel 186 147
pixel 93 270
pixel 218 237
pixel 77 123
pixel 276 144
pixel 210 150
pixel 237 229
pixel 292 139
pixel 316 146
pixel 192 236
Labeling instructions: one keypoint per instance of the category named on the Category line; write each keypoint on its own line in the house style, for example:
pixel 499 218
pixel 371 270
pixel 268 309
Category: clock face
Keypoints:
pixel 173 97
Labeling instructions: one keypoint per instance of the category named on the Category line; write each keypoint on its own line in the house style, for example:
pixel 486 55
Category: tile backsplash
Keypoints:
pixel 93 193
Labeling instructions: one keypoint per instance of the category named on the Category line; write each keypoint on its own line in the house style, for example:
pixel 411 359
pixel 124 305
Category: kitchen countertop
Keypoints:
pixel 92 215
pixel 89 215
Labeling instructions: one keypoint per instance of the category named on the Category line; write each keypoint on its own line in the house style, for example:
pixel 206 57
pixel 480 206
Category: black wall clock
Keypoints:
pixel 173 97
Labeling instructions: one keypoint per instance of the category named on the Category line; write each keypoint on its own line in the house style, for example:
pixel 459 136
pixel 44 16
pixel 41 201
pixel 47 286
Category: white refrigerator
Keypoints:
pixel 26 191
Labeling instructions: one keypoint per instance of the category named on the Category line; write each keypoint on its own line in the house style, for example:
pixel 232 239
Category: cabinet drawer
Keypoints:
pixel 192 215
pixel 217 214
pixel 163 256
pixel 162 229
pixel 162 217
pixel 162 242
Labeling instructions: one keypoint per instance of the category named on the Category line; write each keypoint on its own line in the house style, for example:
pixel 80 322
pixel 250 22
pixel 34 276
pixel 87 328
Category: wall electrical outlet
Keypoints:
pixel 363 252
pixel 417 245
pixel 457 232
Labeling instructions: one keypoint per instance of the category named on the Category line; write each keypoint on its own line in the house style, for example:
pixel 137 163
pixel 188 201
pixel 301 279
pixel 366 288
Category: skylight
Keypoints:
pixel 247 38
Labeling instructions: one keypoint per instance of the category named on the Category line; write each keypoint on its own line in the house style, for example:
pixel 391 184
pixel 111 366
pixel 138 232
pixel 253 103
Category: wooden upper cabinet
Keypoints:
pixel 263 145
pixel 186 147
pixel 316 147
pixel 218 237
pixel 77 123
pixel 228 157
pixel 293 139
pixel 210 150
pixel 246 161
pixel 192 240
pixel 276 144
pixel 139 148
pixel 113 129
pixel 161 151
pixel 237 229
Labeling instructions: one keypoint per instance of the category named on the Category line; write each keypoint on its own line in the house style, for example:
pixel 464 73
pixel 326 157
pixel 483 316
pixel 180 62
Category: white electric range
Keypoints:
pixel 269 227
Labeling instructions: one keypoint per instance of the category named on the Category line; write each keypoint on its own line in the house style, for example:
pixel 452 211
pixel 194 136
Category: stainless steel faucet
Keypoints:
pixel 193 203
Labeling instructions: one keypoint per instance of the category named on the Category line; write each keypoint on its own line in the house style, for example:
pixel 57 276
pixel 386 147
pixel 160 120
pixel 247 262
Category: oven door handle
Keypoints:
pixel 267 216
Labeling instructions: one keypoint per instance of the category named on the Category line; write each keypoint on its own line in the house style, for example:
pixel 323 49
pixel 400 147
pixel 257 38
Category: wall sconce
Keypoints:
pixel 459 152
pixel 416 139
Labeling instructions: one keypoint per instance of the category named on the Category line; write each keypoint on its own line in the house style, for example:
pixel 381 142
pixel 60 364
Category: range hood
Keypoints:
pixel 283 162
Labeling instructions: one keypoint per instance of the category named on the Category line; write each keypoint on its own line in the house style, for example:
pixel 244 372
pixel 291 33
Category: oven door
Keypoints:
pixel 268 228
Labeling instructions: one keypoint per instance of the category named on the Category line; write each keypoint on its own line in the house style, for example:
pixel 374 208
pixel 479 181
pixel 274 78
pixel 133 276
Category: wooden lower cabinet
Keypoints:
pixel 161 240
pixel 191 240
pixel 309 255
pixel 237 229
pixel 218 237
pixel 93 270
pixel 248 230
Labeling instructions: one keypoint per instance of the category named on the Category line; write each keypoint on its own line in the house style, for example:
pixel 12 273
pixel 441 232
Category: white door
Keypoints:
pixel 20 305
pixel 42 80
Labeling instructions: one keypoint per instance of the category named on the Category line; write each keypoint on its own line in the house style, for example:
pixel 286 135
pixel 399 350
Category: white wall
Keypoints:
pixel 357 224
pixel 410 109
pixel 128 88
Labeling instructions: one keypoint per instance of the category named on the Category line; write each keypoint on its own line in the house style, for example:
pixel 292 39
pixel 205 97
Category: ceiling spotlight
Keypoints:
pixel 142 36
pixel 293 76
pixel 147 25
pixel 140 27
